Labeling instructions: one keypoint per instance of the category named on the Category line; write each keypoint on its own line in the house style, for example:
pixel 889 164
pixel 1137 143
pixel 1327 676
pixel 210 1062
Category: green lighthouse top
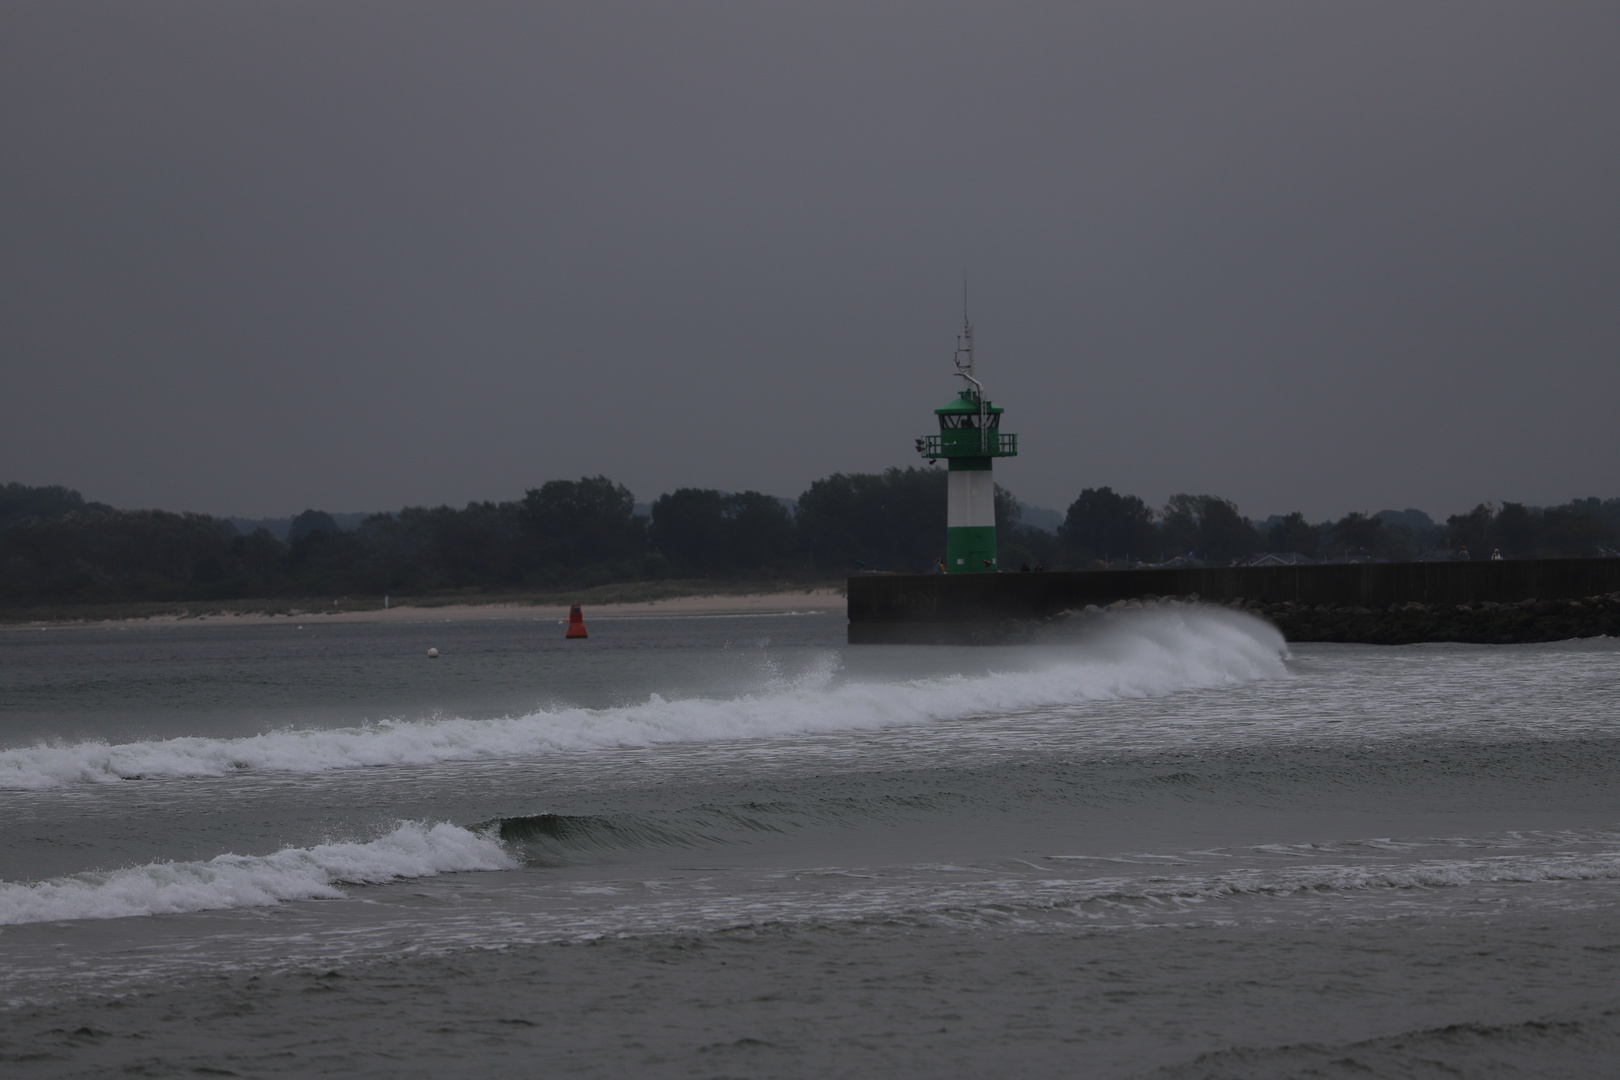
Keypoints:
pixel 966 402
pixel 969 424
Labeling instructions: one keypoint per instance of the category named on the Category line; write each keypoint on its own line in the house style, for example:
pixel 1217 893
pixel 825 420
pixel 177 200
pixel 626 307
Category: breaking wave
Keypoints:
pixel 417 850
pixel 554 839
pixel 412 850
pixel 1150 653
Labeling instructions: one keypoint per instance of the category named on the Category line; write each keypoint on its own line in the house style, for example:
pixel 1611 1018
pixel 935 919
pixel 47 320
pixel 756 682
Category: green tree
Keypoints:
pixel 894 520
pixel 759 532
pixel 1514 531
pixel 1356 534
pixel 1472 531
pixel 19 502
pixel 1101 523
pixel 1210 527
pixel 1294 534
pixel 1575 529
pixel 476 547
pixel 1023 544
pixel 121 554
pixel 578 523
pixel 310 522
pixel 1397 542
pixel 688 527
pixel 703 531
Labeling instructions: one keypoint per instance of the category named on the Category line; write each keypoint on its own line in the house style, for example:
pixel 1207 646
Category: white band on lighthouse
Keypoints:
pixel 972 499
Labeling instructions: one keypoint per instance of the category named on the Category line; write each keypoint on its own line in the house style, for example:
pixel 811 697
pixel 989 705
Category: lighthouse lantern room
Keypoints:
pixel 969 438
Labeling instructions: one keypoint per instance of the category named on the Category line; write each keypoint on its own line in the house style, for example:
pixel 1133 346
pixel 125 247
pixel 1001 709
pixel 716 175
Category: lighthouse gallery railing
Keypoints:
pixel 969 444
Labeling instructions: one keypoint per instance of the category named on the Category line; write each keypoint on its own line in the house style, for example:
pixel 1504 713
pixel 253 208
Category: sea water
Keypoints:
pixel 1164 844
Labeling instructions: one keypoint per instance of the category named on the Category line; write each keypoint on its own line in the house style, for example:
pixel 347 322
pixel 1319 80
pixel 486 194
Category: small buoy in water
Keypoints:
pixel 433 654
pixel 576 623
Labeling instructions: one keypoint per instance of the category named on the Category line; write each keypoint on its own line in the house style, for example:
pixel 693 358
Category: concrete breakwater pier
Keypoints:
pixel 1494 602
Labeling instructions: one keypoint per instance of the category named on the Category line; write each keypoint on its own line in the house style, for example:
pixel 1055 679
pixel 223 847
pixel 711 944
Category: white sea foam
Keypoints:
pixel 1144 654
pixel 233 881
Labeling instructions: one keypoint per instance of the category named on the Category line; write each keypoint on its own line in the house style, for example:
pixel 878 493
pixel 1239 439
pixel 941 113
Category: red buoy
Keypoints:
pixel 576 623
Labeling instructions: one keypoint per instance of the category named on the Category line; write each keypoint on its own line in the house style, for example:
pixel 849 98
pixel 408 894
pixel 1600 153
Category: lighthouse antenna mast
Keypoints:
pixel 964 368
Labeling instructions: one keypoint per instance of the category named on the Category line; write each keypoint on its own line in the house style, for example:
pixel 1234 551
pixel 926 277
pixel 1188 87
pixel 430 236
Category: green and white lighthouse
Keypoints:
pixel 969 438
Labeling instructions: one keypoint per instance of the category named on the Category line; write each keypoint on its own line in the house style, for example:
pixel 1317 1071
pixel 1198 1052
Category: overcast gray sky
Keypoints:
pixel 256 257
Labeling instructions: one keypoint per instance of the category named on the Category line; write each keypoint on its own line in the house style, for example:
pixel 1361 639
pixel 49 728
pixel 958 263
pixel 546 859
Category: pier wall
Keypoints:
pixel 1377 602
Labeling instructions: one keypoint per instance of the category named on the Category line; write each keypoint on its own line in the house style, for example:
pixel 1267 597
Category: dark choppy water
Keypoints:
pixel 738 847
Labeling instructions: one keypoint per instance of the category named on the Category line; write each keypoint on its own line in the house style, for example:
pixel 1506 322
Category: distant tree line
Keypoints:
pixel 1102 527
pixel 56 547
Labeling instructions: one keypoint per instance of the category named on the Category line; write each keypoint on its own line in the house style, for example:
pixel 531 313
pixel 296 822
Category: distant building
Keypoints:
pixel 1285 558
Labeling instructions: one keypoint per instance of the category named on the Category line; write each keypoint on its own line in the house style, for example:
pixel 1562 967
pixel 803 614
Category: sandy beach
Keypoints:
pixel 818 600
